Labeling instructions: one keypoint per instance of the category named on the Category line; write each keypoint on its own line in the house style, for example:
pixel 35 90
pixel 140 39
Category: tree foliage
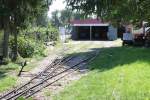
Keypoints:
pixel 63 17
pixel 22 11
pixel 55 20
pixel 16 14
pixel 98 7
pixel 116 10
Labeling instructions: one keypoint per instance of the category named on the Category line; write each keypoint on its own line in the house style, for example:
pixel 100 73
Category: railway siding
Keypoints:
pixel 54 72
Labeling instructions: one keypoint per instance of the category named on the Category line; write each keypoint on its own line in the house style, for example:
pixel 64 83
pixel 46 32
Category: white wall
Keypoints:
pixel 112 33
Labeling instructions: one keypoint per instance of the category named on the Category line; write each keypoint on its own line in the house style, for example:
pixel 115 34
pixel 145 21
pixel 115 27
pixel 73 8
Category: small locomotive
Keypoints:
pixel 139 37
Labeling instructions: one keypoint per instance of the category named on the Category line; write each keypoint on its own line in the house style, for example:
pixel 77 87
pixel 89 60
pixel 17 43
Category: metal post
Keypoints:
pixel 90 32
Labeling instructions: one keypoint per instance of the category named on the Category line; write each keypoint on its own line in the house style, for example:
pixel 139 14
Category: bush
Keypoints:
pixel 53 33
pixel 45 34
pixel 39 49
pixel 25 47
pixel 28 47
pixel 6 61
pixel 31 40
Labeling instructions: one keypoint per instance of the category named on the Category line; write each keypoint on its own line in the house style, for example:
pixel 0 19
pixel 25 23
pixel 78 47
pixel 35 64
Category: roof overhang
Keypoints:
pixel 90 24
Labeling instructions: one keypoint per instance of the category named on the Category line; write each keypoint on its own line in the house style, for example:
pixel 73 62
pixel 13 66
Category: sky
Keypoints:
pixel 56 5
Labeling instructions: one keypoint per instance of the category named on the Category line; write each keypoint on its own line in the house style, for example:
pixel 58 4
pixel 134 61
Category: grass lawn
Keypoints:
pixel 121 73
pixel 7 77
pixel 8 73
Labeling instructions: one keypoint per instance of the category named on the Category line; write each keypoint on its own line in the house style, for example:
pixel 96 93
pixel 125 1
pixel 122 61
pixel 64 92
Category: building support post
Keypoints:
pixel 90 32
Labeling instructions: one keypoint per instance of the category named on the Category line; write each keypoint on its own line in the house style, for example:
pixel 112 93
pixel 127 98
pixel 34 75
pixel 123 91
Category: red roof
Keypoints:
pixel 87 21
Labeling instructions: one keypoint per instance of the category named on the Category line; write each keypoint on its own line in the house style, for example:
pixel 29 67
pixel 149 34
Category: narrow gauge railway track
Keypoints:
pixel 53 73
pixel 56 63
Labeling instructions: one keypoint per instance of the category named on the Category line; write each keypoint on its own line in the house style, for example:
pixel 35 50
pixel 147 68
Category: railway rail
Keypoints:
pixel 52 73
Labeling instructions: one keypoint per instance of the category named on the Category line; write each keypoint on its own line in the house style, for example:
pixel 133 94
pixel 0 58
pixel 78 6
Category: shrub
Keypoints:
pixel 6 61
pixel 31 40
pixel 25 47
pixel 45 34
pixel 39 49
pixel 28 47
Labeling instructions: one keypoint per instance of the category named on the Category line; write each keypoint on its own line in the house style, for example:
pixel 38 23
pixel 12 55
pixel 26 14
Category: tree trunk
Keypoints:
pixel 16 44
pixel 6 38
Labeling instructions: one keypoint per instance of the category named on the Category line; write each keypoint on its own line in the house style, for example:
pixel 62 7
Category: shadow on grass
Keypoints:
pixel 2 75
pixel 109 58
pixel 4 69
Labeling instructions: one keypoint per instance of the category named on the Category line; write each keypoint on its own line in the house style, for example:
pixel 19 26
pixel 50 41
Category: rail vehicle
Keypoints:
pixel 142 38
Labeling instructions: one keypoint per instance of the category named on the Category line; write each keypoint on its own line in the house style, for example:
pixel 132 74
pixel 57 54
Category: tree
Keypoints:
pixel 67 14
pixel 118 10
pixel 15 14
pixel 98 7
pixel 42 20
pixel 63 17
pixel 55 20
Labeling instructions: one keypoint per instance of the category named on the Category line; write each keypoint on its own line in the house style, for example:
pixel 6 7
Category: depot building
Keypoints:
pixel 92 29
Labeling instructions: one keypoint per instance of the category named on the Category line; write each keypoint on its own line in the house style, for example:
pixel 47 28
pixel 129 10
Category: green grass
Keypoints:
pixel 7 82
pixel 7 79
pixel 33 62
pixel 8 73
pixel 121 73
